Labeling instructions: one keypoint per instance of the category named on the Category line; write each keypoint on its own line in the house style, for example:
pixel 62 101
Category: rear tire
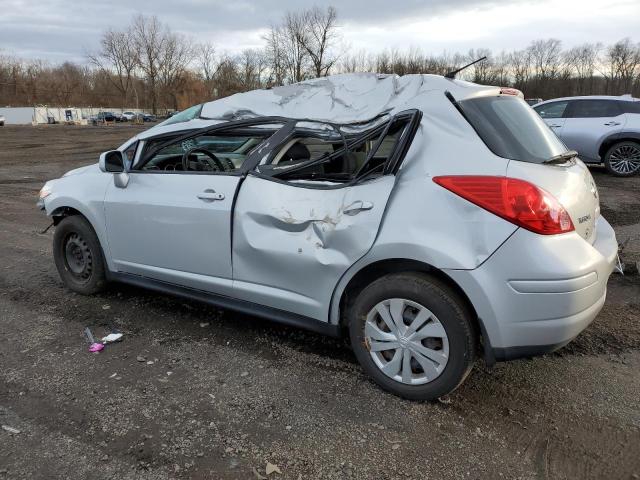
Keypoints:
pixel 78 256
pixel 623 159
pixel 433 343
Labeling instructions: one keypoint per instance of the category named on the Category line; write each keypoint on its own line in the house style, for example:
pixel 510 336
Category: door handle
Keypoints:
pixel 210 195
pixel 612 123
pixel 357 207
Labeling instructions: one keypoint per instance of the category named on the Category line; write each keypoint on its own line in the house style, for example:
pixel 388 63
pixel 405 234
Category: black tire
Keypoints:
pixel 78 256
pixel 449 309
pixel 619 170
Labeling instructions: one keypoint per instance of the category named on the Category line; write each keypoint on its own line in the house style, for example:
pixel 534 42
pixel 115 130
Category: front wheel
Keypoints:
pixel 412 334
pixel 78 256
pixel 623 159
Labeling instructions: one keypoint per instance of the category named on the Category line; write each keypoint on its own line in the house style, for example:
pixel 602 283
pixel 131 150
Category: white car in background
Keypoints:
pixel 431 220
pixel 128 116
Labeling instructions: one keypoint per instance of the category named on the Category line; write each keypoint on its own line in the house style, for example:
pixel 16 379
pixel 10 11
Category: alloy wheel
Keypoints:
pixel 625 159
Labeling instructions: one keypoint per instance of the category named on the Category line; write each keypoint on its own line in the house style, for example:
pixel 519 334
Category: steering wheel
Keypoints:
pixel 214 159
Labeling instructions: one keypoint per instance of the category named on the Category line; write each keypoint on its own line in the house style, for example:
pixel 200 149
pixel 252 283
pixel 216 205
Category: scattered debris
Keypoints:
pixel 140 358
pixel 112 337
pixel 93 345
pixel 244 374
pixel 106 307
pixel 11 430
pixel 395 446
pixel 150 362
pixel 114 375
pixel 271 468
pixel 204 324
pixel 444 401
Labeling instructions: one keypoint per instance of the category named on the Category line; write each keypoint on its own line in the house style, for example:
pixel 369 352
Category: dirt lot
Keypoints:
pixel 193 392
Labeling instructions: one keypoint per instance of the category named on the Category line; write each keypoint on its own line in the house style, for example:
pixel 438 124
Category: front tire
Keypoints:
pixel 413 335
pixel 78 256
pixel 623 159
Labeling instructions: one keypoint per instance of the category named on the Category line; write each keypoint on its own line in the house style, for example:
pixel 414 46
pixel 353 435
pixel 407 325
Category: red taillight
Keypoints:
pixel 515 200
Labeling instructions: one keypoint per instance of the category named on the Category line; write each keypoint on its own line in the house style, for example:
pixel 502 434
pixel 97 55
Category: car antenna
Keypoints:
pixel 453 74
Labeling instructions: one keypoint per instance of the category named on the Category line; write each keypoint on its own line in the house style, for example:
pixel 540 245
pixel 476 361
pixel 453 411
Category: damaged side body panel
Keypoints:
pixel 292 244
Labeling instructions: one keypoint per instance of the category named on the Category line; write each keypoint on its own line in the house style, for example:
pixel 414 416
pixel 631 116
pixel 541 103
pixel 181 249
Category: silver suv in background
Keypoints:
pixel 602 129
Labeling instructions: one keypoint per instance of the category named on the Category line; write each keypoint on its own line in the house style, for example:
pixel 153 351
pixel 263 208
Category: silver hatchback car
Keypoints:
pixel 427 219
pixel 602 129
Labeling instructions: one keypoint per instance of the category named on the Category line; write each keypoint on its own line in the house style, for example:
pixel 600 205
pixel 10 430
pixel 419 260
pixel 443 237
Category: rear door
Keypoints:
pixel 588 122
pixel 296 234
pixel 553 115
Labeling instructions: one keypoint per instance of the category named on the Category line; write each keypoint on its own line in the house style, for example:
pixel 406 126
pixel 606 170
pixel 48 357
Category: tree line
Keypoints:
pixel 147 65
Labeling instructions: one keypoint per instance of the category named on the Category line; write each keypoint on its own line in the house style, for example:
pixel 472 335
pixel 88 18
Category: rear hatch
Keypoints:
pixel 513 130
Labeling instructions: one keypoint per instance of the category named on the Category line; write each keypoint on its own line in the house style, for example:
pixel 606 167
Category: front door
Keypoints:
pixel 553 115
pixel 172 222
pixel 173 227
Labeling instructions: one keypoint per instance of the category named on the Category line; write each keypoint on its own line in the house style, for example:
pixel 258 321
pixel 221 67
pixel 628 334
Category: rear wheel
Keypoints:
pixel 412 334
pixel 78 255
pixel 623 159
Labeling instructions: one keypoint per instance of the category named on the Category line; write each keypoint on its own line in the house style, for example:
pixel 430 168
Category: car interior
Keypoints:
pixel 309 156
pixel 324 153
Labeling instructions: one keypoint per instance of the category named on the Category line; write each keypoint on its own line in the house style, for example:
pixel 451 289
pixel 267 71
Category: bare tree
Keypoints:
pixel 117 59
pixel 582 60
pixel 317 32
pixel 207 62
pixel 174 60
pixel 623 61
pixel 252 65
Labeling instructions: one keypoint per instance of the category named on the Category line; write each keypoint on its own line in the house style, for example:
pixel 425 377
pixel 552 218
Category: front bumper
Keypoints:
pixel 536 293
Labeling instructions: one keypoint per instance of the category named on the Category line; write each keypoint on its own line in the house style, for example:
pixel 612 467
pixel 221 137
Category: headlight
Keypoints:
pixel 45 191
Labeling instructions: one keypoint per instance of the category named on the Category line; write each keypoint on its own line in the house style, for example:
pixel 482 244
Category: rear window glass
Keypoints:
pixel 511 129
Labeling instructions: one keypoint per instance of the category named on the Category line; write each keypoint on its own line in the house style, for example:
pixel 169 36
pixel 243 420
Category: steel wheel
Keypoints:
pixel 406 341
pixel 78 259
pixel 624 159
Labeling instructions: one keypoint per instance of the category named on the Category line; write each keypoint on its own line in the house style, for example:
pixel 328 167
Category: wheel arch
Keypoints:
pixel 612 139
pixel 375 270
pixel 62 207
pixel 61 212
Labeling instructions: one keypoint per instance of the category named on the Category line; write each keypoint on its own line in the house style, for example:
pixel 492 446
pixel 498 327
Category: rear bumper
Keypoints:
pixel 537 293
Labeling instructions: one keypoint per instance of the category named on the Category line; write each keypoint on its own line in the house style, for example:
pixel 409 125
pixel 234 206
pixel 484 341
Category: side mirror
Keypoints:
pixel 112 161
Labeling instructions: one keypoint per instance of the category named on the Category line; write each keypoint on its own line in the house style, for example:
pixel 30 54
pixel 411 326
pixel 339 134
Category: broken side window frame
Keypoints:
pixel 390 166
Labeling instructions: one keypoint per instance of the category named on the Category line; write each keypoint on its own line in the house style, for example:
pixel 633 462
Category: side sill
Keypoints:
pixel 513 353
pixel 222 301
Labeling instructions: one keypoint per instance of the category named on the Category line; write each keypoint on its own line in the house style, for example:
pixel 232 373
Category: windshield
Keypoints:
pixel 183 116
pixel 511 129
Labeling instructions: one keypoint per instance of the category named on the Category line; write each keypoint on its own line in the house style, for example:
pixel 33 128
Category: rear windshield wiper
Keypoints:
pixel 561 158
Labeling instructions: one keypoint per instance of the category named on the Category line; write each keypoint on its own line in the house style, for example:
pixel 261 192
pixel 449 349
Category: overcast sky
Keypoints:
pixel 59 30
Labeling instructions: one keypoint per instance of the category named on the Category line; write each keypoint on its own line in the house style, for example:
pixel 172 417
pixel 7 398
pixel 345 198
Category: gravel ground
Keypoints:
pixel 194 392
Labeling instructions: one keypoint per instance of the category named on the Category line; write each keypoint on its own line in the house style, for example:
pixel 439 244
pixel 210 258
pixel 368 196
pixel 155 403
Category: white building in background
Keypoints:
pixel 40 115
